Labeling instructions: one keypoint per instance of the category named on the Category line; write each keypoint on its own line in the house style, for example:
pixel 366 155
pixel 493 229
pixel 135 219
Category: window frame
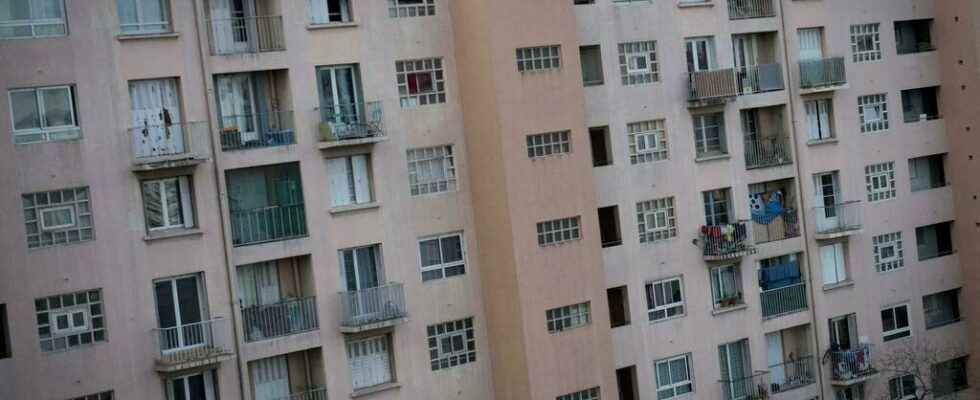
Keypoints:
pixel 443 265
pixel 585 394
pixel 70 314
pixel 894 262
pixel 718 289
pixel 89 303
pixel 44 131
pixel 71 213
pixel 445 156
pixel 861 35
pixel 655 131
pixel 654 208
pixel 408 70
pixel 565 318
pixel 878 190
pixel 141 23
pixel 630 73
pixel 420 8
pixel 81 203
pixel 878 103
pixel 898 385
pixel 33 23
pixel 557 229
pixel 896 332
pixel 436 336
pixel 346 12
pixel 673 385
pixel 931 306
pixel 704 124
pixel 548 144
pixel 538 58
pixel 679 306
pixel 185 203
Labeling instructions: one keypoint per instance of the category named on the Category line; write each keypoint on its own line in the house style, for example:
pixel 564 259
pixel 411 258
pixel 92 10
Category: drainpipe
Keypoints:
pixel 803 214
pixel 233 318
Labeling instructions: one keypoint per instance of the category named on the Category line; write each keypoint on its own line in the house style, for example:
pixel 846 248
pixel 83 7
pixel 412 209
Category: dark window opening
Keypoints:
pixel 920 104
pixel 934 240
pixel 619 306
pixel 626 380
pixel 591 65
pixel 599 137
pixel 927 172
pixel 4 333
pixel 609 226
pixel 914 36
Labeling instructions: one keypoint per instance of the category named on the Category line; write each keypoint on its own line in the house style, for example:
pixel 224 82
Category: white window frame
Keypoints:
pixel 323 6
pixel 141 24
pixel 568 317
pixel 350 185
pixel 185 204
pixel 558 231
pixel 541 145
pixel 704 123
pixel 89 303
pixel 839 271
pixel 647 213
pixel 893 262
pixel 383 340
pixel 880 181
pixel 905 331
pixel 873 112
pixel 71 213
pixel 434 67
pixel 824 129
pixel 587 394
pixel 718 290
pixel 44 131
pixel 666 307
pixel 70 314
pixel 34 23
pixel 630 70
pixel 414 8
pixel 673 385
pixel 443 265
pixel 36 203
pixel 861 32
pixel 538 58
pixel 421 157
pixel 896 387
pixel 462 329
pixel 648 132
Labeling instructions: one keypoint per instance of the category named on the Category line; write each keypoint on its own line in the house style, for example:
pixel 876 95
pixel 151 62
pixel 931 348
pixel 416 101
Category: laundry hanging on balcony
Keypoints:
pixel 766 207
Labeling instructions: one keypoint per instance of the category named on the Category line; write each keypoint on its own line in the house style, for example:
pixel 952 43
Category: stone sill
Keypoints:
pixel 175 233
pixel 354 207
pixel 838 285
pixel 123 37
pixel 729 309
pixel 375 389
pixel 695 4
pixel 821 141
pixel 713 158
pixel 331 25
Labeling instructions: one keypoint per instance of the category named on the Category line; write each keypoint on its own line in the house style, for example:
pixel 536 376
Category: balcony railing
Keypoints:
pixel 754 387
pixel 267 224
pixel 312 394
pixel 853 364
pixel 156 146
pixel 791 374
pixel 350 122
pixel 838 218
pixel 249 131
pixel 280 319
pixel 784 300
pixel 372 305
pixel 768 152
pixel 783 226
pixel 759 78
pixel 723 242
pixel 822 73
pixel 742 9
pixel 192 345
pixel 715 84
pixel 246 35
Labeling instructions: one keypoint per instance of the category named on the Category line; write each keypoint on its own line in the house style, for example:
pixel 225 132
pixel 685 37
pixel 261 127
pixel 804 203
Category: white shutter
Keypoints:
pixel 812 119
pixel 369 364
pixel 839 262
pixel 339 189
pixel 811 44
pixel 362 184
pixel 185 201
pixel 824 115
pixel 270 378
pixel 832 263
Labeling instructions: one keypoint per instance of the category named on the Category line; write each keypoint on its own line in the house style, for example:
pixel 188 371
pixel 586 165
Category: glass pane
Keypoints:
pixel 172 193
pixel 57 107
pixel 195 385
pixel 165 304
pixel 429 252
pixel 187 297
pixel 452 249
pixel 127 12
pixel 178 388
pixel 152 205
pixel 26 115
pixel 367 268
pixel 11 10
pixel 47 9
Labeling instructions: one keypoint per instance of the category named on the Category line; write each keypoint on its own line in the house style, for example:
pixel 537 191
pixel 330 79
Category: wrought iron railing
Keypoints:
pixel 783 300
pixel 154 143
pixel 854 363
pixel 838 218
pixel 754 387
pixel 267 224
pixel 350 121
pixel 759 78
pixel 193 342
pixel 319 393
pixel 742 9
pixel 767 152
pixel 246 131
pixel 246 35
pixel 725 241
pixel 824 72
pixel 712 84
pixel 792 374
pixel 372 305
pixel 279 319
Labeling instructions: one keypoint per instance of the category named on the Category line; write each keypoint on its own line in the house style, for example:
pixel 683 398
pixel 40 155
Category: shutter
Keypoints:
pixel 186 207
pixel 339 189
pixel 839 255
pixel 270 377
pixel 362 187
pixel 824 107
pixel 812 119
pixel 828 260
pixel 852 329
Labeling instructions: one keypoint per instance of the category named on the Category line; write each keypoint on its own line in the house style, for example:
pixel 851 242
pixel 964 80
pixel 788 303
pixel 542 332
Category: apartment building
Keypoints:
pixel 640 199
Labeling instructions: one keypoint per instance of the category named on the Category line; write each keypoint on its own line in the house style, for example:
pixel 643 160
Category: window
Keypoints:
pixel 819 119
pixel 888 251
pixel 451 343
pixel 143 16
pixel 913 36
pixel 673 376
pixel 350 180
pixel 609 226
pixel 587 394
pixel 431 170
pixel 442 256
pixel 619 306
pixel 665 299
pixel 4 333
pixel 832 264
pixel 167 203
pixel 949 377
pixel 700 52
pixel 941 308
pixel 582 2
pixel 107 395
pixel 638 62
pixel 548 144
pixel 920 104
pixel 934 240
pixel 709 135
pixel 873 111
pixel 599 139
pixel 67 321
pixel 411 8
pixel 538 58
pixel 726 286
pixel 880 181
pixel 656 219
pixel 58 217
pixel 32 18
pixel 421 81
pixel 370 361
pixel 716 205
pixel 568 317
pixel 329 11
pixel 44 114
pixel 855 392
pixel 865 43
pixel 902 388
pixel 558 231
pixel 895 323
pixel 591 57
pixel 626 382
pixel 647 141
pixel 927 172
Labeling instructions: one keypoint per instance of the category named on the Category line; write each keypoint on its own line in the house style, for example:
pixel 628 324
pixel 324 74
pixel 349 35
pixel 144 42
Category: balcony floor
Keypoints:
pixel 372 325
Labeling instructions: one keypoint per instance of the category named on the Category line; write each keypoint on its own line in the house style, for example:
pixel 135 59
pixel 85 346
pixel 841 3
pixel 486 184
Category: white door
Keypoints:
pixel 774 350
pixel 832 263
pixel 369 361
pixel 237 105
pixel 340 99
pixel 230 30
pixel 827 197
pixel 270 378
pixel 746 58
pixel 700 54
pixel 155 106
pixel 192 387
pixel 811 44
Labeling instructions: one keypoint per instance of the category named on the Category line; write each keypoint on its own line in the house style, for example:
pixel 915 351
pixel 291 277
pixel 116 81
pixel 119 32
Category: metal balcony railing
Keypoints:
pixel 169 142
pixel 312 394
pixel 192 344
pixel 249 131
pixel 767 152
pixel 372 305
pixel 782 227
pixel 784 300
pixel 712 84
pixel 742 9
pixel 825 72
pixel 792 374
pixel 725 241
pixel 851 364
pixel 754 387
pixel 246 35
pixel 279 319
pixel 759 78
pixel 838 218
pixel 348 122
pixel 267 224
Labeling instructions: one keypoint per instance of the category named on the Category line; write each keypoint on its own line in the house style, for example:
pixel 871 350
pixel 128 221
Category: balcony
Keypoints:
pixel 822 75
pixel 783 301
pixel 372 308
pixel 851 366
pixel 760 78
pixel 157 147
pixel 838 220
pixel 193 345
pixel 291 376
pixel 744 9
pixel 711 87
pixel 725 242
pixel 312 394
pixel 284 318
pixel 754 387
pixel 268 224
pixel 792 374
pixel 350 125
pixel 240 35
pixel 252 131
pixel 767 152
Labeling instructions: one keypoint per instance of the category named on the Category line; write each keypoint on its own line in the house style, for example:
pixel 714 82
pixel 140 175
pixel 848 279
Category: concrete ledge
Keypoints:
pixel 375 389
pixel 122 37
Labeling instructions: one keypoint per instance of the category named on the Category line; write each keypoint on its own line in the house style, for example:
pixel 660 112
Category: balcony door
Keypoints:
pixel 746 52
pixel 843 332
pixel 270 378
pixel 259 284
pixel 155 106
pixel 811 44
pixel 199 386
pixel 700 54
pixel 237 105
pixel 230 30
pixel 180 313
pixel 360 270
pixel 735 369
pixel 340 98
pixel 827 196
pixel 774 353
